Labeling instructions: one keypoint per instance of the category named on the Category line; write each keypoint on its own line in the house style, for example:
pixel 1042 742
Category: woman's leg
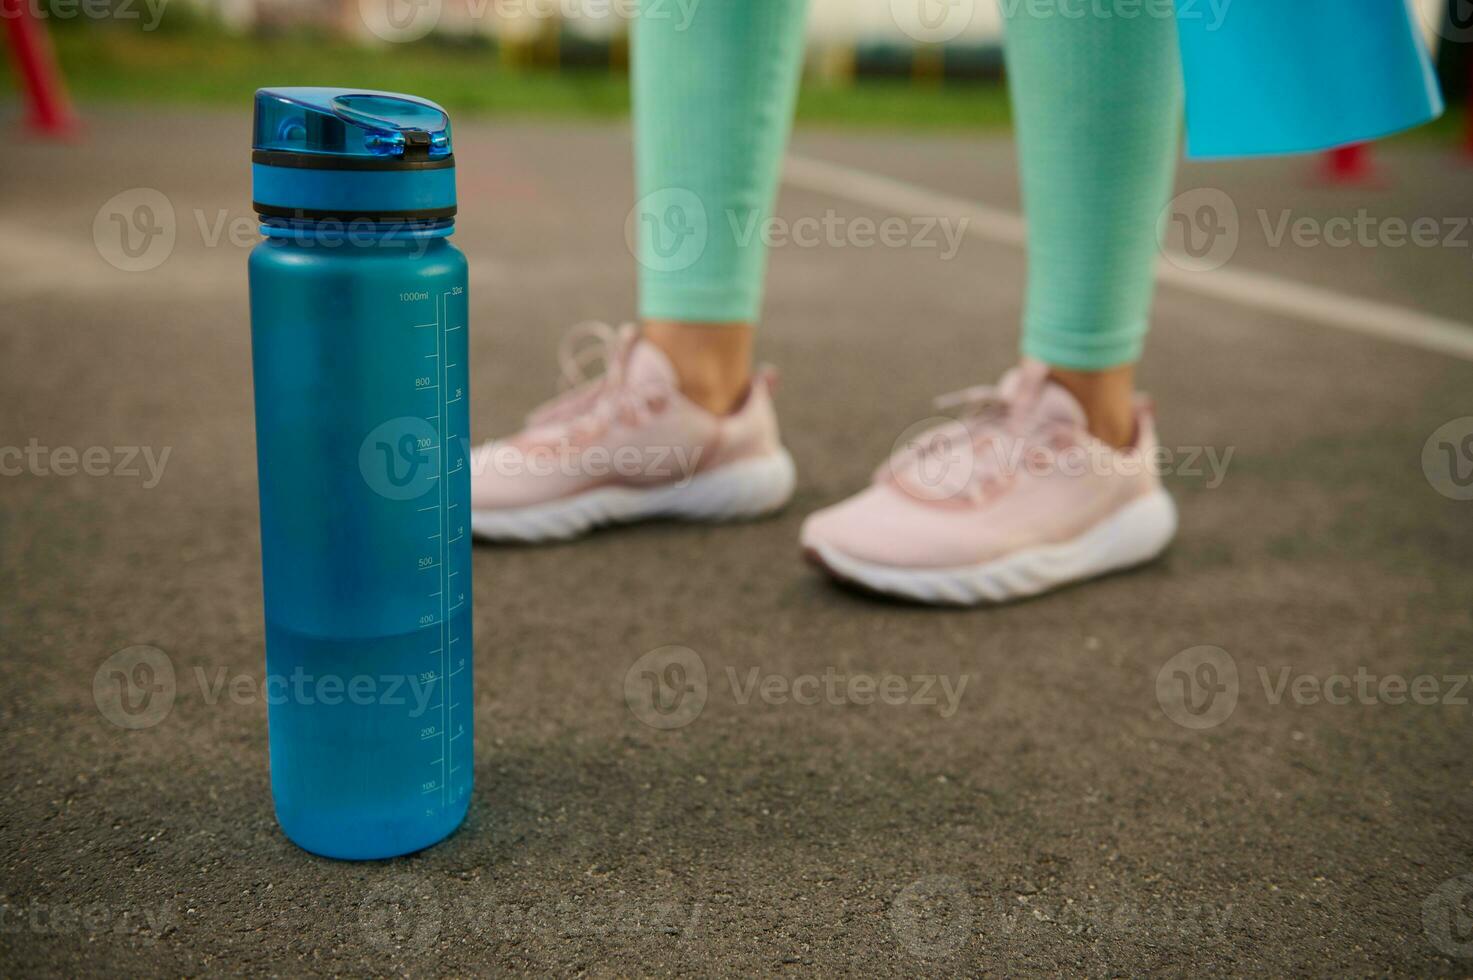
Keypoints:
pixel 678 426
pixel 1097 102
pixel 713 103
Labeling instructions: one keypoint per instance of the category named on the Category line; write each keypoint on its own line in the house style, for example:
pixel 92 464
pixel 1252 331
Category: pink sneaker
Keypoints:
pixel 1013 499
pixel 628 446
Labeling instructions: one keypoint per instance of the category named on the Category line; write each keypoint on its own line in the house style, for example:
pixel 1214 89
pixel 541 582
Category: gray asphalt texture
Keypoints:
pixel 1058 821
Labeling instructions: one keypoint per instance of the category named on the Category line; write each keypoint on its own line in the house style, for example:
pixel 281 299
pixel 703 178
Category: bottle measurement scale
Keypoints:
pixel 444 567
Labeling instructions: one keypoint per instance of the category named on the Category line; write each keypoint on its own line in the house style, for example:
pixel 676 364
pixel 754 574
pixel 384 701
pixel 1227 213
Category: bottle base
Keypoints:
pixel 341 841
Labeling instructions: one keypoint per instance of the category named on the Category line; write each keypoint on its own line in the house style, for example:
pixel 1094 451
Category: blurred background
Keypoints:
pixel 874 62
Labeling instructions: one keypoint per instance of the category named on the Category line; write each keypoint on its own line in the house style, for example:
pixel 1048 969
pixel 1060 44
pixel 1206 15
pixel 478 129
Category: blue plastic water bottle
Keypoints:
pixel 358 333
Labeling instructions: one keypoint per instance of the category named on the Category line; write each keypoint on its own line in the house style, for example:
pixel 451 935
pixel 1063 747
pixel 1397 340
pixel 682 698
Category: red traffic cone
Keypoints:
pixel 1348 165
pixel 50 114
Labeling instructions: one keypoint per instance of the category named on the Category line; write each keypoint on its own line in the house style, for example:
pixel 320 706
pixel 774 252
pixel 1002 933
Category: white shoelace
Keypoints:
pixel 590 403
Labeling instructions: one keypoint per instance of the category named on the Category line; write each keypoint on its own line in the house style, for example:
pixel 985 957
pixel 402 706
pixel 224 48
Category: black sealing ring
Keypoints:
pixel 310 214
pixel 328 161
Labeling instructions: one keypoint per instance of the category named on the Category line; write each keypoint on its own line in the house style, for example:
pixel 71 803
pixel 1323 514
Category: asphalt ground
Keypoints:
pixel 1062 810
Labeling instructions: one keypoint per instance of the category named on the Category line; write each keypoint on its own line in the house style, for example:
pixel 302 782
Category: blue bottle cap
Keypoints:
pixel 334 153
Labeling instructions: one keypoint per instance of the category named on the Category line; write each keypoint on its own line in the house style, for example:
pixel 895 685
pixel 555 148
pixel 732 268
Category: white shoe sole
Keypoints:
pixel 1135 534
pixel 737 491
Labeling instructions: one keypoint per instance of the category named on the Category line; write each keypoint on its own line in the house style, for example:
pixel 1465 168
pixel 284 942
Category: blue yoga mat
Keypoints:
pixel 1292 76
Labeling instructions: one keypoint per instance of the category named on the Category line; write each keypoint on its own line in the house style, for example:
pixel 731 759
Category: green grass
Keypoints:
pixel 900 104
pixel 202 66
pixel 216 69
pixel 211 68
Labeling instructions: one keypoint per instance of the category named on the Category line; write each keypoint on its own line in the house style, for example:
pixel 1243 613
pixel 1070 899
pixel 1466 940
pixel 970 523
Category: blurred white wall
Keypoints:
pixel 904 22
pixel 970 21
pixel 831 22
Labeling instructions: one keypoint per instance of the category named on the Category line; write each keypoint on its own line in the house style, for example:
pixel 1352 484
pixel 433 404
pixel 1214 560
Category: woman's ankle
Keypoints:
pixel 712 360
pixel 1108 400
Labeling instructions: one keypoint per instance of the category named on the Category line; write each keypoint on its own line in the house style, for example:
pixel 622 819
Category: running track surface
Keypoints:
pixel 1059 820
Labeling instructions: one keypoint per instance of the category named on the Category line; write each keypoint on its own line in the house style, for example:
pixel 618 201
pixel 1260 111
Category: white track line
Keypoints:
pixel 1254 290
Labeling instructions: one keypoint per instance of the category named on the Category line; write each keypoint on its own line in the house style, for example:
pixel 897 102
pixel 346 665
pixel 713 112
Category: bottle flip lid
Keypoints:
pixel 339 153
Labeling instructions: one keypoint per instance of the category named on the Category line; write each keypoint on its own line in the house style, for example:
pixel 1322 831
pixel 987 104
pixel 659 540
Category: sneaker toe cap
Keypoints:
pixel 884 526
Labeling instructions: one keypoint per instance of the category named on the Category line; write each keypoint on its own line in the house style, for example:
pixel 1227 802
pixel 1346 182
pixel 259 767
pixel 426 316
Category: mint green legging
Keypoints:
pixel 1097 103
